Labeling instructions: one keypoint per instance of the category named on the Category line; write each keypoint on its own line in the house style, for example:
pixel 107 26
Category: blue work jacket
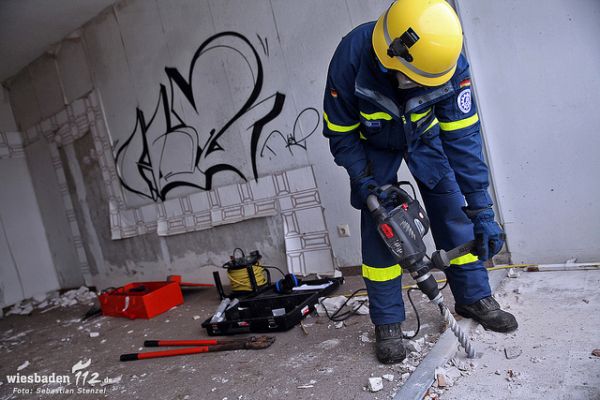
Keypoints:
pixel 364 107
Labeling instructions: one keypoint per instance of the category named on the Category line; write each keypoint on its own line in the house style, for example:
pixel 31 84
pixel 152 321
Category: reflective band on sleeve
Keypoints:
pixel 417 117
pixel 466 259
pixel 381 274
pixel 339 128
pixel 460 124
pixel 377 115
pixel 362 136
pixel 432 124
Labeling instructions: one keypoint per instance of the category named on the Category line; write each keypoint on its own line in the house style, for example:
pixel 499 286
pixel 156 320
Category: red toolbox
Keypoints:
pixel 141 299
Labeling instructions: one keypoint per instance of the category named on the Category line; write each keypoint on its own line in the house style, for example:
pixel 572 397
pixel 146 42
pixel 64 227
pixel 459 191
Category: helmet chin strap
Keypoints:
pixel 404 82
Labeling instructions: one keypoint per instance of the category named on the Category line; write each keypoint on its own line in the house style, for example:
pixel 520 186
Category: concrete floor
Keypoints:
pixel 557 312
pixel 559 327
pixel 333 363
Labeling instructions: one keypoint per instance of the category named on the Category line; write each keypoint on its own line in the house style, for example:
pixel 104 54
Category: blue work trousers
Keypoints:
pixel 450 227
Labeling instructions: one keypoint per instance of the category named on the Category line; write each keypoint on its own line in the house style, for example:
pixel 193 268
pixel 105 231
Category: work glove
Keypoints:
pixel 367 186
pixel 489 237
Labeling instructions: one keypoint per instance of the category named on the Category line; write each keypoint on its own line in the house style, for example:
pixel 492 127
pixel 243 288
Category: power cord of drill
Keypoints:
pixel 339 316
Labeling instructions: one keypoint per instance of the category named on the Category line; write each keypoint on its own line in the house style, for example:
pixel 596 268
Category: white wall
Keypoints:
pixel 11 290
pixel 123 54
pixel 24 231
pixel 26 264
pixel 55 220
pixel 536 77
pixel 129 53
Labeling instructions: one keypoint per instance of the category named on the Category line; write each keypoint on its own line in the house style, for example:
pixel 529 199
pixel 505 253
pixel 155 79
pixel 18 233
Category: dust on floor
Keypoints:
pixel 329 362
pixel 550 355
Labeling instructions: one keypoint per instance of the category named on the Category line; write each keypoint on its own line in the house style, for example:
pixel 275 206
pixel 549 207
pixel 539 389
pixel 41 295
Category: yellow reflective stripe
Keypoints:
pixel 381 274
pixel 416 117
pixel 466 259
pixel 460 124
pixel 339 128
pixel 377 115
pixel 432 124
pixel 362 136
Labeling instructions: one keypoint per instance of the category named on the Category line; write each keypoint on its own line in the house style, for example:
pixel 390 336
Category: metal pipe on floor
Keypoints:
pixel 563 267
pixel 568 266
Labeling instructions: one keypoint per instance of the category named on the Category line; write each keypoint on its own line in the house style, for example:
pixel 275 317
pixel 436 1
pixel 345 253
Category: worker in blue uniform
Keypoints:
pixel 399 88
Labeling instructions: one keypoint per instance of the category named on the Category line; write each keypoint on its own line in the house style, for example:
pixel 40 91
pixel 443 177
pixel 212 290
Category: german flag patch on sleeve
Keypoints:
pixel 465 83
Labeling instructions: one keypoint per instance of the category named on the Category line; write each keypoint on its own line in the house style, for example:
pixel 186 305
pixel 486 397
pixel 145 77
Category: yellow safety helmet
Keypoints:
pixel 420 38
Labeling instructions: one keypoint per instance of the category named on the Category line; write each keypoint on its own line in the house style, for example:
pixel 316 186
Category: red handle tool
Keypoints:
pixel 205 342
pixel 164 353
pixel 254 343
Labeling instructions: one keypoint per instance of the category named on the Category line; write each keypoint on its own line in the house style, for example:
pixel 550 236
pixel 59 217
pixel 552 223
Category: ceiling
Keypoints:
pixel 29 27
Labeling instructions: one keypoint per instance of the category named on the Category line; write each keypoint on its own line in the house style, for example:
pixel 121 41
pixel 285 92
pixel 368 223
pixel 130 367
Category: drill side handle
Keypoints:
pixel 441 259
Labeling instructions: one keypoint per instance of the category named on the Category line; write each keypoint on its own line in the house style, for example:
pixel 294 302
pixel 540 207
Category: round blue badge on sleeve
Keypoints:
pixel 464 101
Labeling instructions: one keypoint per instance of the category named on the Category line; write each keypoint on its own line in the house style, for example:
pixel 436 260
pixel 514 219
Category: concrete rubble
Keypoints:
pixel 534 362
pixel 512 352
pixel 310 384
pixel 375 384
pixel 413 359
pixel 23 366
pixel 317 361
pixel 414 345
pixel 446 376
pixel 513 273
pixel 297 366
pixel 440 378
pixel 52 300
pixel 365 338
pixel 358 303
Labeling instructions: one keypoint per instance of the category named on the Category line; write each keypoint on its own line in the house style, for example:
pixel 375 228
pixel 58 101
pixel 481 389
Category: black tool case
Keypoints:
pixel 269 311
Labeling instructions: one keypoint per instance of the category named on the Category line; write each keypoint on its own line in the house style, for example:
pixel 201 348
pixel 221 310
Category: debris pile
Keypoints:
pixel 52 300
pixel 375 383
pixel 360 304
pixel 445 377
pixel 417 350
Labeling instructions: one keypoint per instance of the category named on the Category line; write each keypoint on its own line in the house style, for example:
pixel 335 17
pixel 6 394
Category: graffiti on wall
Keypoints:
pixel 309 116
pixel 191 134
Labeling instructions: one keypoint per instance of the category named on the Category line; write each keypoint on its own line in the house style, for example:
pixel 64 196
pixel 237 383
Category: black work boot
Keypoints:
pixel 488 313
pixel 388 343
